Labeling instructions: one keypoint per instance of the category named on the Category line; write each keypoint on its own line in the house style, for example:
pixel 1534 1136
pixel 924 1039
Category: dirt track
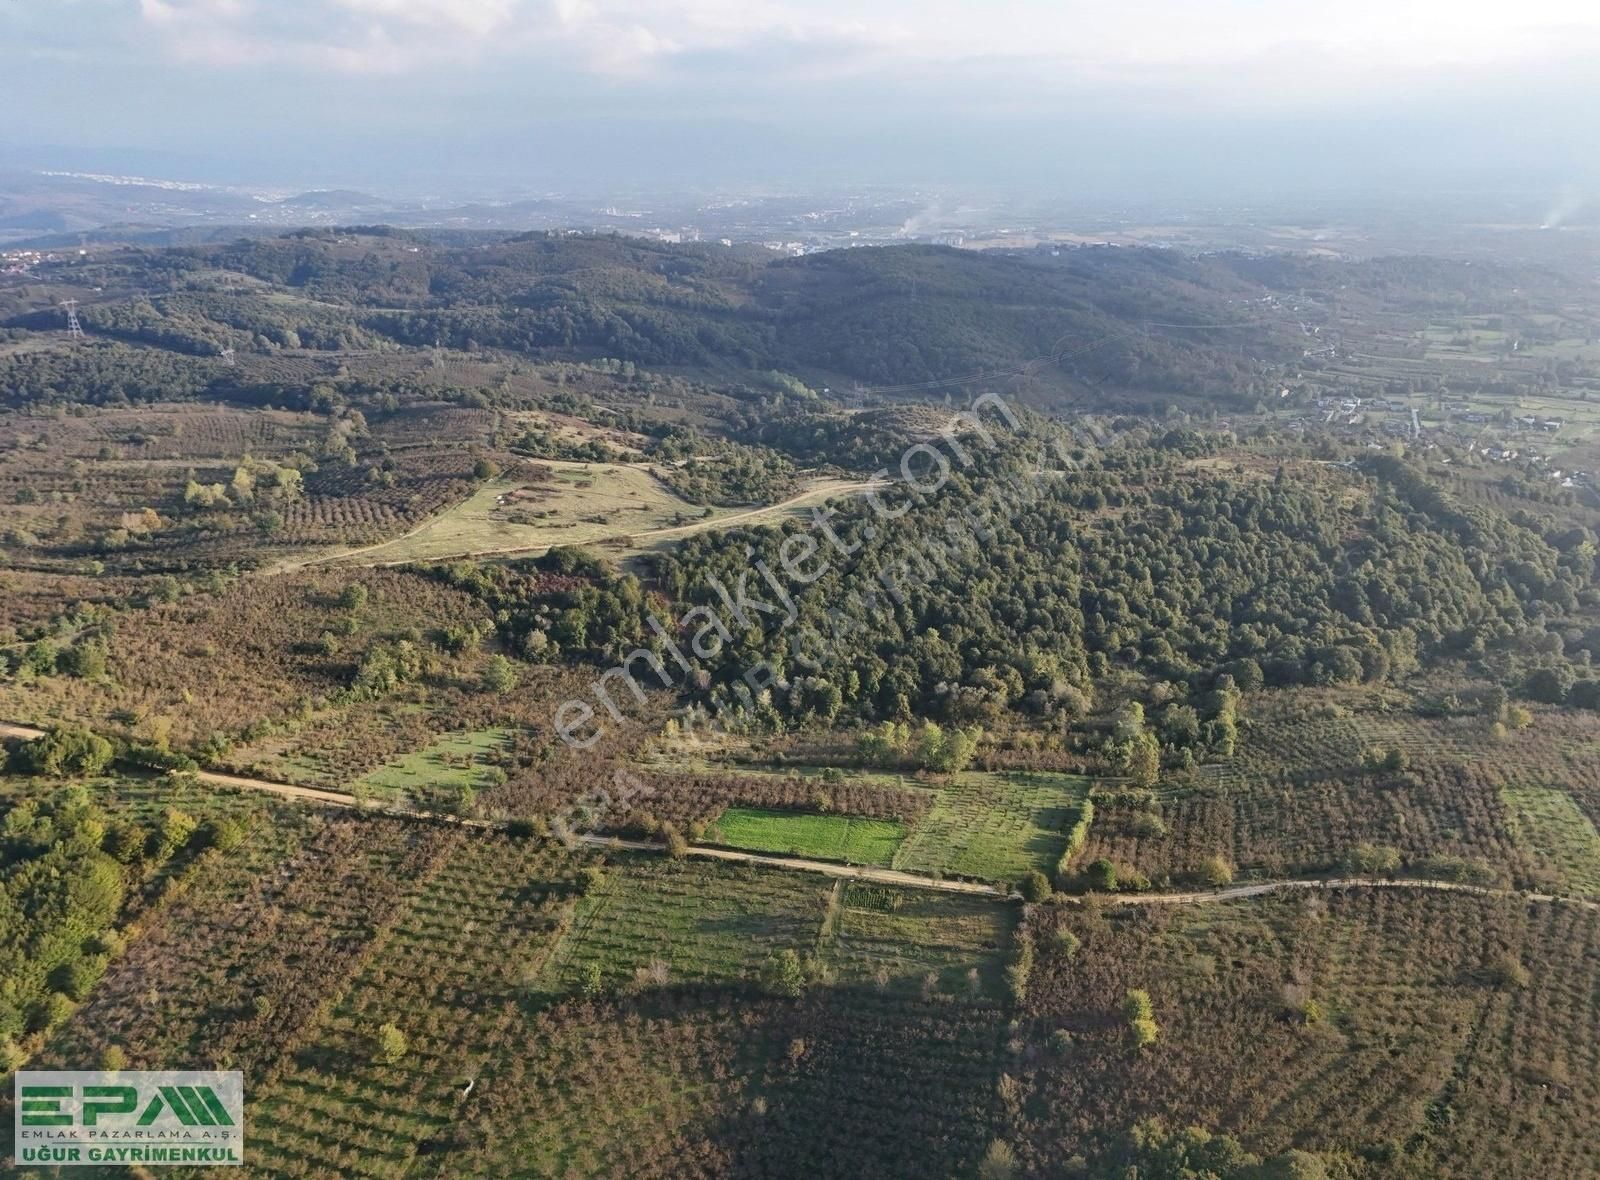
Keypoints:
pixel 879 875
pixel 816 494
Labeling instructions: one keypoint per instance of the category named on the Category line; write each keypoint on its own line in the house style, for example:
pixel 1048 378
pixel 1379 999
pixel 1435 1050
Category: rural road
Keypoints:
pixel 287 790
pixel 801 864
pixel 798 864
pixel 1262 888
pixel 878 875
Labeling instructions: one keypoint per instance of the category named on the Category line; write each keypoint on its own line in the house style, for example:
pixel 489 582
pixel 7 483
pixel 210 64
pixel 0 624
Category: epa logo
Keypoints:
pixel 66 1118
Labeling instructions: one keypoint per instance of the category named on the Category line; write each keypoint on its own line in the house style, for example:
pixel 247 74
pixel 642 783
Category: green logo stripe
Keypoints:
pixel 127 1099
pixel 219 1113
pixel 41 1106
pixel 196 1107
pixel 178 1106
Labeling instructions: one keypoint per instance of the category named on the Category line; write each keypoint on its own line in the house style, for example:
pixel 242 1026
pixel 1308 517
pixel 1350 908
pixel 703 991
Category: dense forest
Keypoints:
pixel 1125 320
pixel 1148 562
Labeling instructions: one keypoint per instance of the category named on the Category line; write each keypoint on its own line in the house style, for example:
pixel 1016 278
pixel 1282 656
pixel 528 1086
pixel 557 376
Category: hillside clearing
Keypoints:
pixel 624 508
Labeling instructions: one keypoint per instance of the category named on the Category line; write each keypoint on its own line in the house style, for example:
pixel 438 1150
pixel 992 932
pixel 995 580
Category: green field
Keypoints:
pixel 830 837
pixel 988 825
pixel 438 774
pixel 711 922
pixel 947 943
pixel 1551 826
pixel 995 826
pixel 705 922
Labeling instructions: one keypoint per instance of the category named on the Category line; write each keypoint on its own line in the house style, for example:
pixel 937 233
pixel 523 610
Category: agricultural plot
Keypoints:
pixel 704 921
pixel 449 973
pixel 554 502
pixel 829 837
pixel 332 747
pixel 710 922
pixel 994 826
pixel 238 966
pixel 822 777
pixel 1383 1019
pixel 179 433
pixel 718 1081
pixel 714 1078
pixel 1295 800
pixel 115 483
pixel 689 798
pixel 454 766
pixel 343 505
pixel 1308 824
pixel 1558 834
pixel 245 657
pixel 141 799
pixel 1471 342
pixel 912 939
pixel 624 508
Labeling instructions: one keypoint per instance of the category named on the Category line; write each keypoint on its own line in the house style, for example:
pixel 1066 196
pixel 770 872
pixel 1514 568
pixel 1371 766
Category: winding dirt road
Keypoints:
pixel 817 493
pixel 879 876
pixel 287 790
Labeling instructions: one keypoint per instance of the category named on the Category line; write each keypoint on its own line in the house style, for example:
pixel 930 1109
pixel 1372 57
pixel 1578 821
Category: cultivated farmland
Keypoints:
pixel 994 826
pixel 828 837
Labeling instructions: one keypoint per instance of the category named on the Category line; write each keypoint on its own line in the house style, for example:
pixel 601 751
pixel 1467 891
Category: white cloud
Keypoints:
pixel 1242 46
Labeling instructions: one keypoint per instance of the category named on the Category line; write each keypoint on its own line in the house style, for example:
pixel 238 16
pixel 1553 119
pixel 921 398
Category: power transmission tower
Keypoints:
pixel 227 357
pixel 438 356
pixel 74 328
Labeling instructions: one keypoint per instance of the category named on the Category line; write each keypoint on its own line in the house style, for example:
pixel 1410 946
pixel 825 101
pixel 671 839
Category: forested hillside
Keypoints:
pixel 1157 563
pixel 1144 322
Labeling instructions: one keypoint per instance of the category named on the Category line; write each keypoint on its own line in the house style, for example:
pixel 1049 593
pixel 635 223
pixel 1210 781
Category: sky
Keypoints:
pixel 558 94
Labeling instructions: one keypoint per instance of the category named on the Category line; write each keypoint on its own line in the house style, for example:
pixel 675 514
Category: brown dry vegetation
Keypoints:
pixel 1296 800
pixel 220 663
pixel 1419 1060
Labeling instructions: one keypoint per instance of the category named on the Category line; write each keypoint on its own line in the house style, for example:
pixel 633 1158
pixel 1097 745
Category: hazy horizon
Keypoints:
pixel 459 97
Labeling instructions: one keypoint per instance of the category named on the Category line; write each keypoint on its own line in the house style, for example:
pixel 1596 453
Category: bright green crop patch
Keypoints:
pixel 830 837
pixel 995 826
pixel 1551 826
pixel 455 763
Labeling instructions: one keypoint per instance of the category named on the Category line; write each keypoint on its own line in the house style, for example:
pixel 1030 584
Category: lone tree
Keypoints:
pixel 999 1162
pixel 1102 876
pixel 499 676
pixel 1144 760
pixel 1141 1017
pixel 1216 871
pixel 784 974
pixel 389 1044
pixel 1034 886
pixel 677 843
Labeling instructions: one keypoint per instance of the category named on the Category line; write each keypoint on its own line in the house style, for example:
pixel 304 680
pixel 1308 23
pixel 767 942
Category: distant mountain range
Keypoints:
pixel 52 210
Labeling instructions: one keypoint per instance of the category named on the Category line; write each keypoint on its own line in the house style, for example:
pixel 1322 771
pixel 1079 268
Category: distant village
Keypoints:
pixel 1516 439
